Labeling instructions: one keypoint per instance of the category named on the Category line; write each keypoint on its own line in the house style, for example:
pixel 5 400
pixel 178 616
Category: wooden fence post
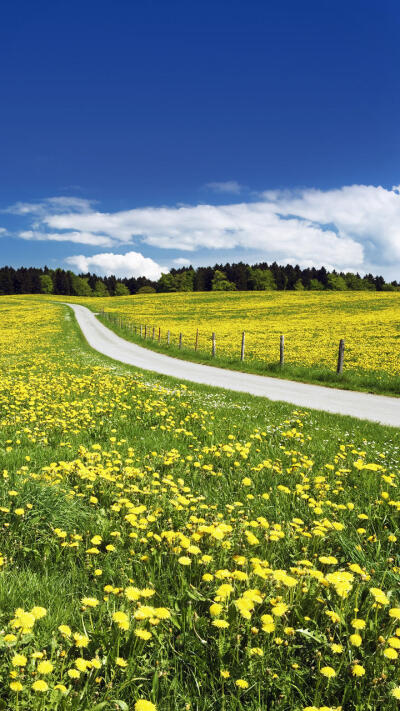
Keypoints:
pixel 180 340
pixel 242 349
pixel 159 334
pixel 213 345
pixel 340 360
pixel 145 331
pixel 196 343
pixel 154 331
pixel 168 337
pixel 282 350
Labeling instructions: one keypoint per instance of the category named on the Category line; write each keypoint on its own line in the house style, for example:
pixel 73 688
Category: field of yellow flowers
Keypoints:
pixel 175 549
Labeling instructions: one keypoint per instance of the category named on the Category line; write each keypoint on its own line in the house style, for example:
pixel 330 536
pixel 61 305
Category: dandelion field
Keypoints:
pixel 171 547
pixel 312 323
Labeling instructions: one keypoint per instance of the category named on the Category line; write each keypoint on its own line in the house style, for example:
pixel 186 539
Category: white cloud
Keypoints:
pixel 80 237
pixel 229 186
pixel 181 262
pixel 355 227
pixel 131 264
pixel 49 205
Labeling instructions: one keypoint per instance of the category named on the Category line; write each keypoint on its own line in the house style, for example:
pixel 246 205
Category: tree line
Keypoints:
pixel 221 277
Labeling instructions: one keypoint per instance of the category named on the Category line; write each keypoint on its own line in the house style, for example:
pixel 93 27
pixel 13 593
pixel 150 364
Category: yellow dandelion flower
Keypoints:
pixel 40 685
pixel 329 672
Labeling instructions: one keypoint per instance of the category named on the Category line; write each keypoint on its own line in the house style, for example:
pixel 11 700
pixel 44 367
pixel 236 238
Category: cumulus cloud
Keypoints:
pixel 229 186
pixel 131 264
pixel 355 227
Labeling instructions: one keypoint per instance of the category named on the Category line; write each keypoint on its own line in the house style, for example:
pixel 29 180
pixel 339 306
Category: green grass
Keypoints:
pixel 180 668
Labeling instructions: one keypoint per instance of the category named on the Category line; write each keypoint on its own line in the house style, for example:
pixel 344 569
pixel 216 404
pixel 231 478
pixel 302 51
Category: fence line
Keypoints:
pixel 138 328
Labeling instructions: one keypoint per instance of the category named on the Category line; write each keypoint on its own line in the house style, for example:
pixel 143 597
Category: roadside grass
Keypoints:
pixel 165 473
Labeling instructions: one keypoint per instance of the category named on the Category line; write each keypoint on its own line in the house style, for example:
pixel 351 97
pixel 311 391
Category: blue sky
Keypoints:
pixel 136 136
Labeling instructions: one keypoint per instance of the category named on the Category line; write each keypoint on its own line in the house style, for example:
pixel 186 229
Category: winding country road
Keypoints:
pixel 376 408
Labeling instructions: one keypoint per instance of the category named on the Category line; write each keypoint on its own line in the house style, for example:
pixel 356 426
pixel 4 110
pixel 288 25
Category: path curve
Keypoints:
pixel 377 408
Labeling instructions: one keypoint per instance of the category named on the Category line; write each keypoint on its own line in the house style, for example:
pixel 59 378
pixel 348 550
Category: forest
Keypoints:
pixel 221 277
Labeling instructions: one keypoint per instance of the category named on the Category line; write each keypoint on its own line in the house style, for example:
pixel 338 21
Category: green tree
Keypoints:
pixel 336 282
pixel 315 285
pixel 221 283
pixel 121 289
pixel 261 279
pixel 299 286
pixel 46 284
pixel 167 283
pixel 80 286
pixel 100 289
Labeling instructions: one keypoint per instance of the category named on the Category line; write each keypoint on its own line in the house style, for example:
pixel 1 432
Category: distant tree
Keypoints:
pixel 46 284
pixel 146 290
pixel 100 289
pixel 354 282
pixel 121 289
pixel 298 286
pixel 62 282
pixel 336 282
pixel 315 285
pixel 184 281
pixel 80 286
pixel 6 280
pixel 221 283
pixel 166 283
pixel 261 279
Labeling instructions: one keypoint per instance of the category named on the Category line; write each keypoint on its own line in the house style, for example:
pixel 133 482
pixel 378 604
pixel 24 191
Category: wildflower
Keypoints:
pixel 358 670
pixel 120 662
pixel 143 705
pixel 90 601
pixel 355 640
pixel 143 634
pixel 215 609
pixel 358 624
pixel 38 612
pixel 61 687
pixel 19 660
pixel 337 648
pixel 65 630
pixel 329 672
pixel 280 609
pixel 73 673
pixel 242 683
pixel 225 673
pixel 45 667
pixel 81 640
pixel 396 692
pixel 390 653
pixel 185 560
pixel 40 685
pixel 16 686
pixel 379 596
pixel 122 620
pixel 222 624
pixel 81 664
pixel 395 612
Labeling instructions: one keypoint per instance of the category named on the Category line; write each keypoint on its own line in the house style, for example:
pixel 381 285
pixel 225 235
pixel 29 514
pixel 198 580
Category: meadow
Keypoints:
pixel 312 323
pixel 170 547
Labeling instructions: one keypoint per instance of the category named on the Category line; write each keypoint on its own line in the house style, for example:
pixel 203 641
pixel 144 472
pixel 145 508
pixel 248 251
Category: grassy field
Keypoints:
pixel 312 323
pixel 181 549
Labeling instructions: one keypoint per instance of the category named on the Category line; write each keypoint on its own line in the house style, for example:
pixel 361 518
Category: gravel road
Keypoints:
pixel 377 408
